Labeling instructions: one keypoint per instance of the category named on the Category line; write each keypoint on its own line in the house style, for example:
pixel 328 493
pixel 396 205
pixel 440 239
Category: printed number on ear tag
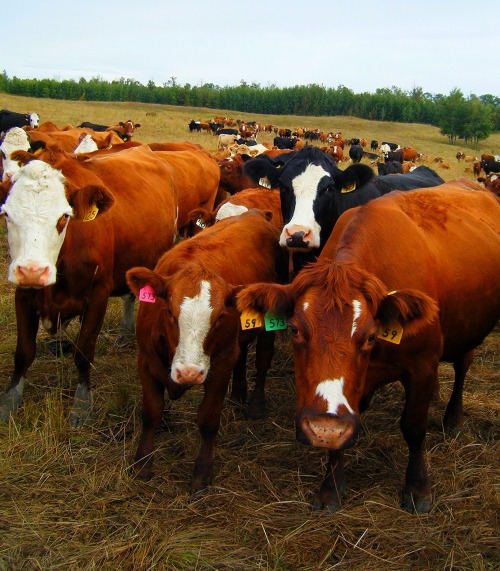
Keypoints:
pixel 251 320
pixel 91 214
pixel 199 222
pixel 274 322
pixel 147 294
pixel 264 181
pixel 391 332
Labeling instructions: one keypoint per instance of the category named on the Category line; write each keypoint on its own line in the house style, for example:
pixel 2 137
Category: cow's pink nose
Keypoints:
pixel 32 275
pixel 189 375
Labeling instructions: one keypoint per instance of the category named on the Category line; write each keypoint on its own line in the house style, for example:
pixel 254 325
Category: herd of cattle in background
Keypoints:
pixel 223 249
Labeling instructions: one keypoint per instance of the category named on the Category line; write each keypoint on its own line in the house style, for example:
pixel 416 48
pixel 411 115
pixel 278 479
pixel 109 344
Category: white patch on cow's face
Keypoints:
pixel 87 145
pixel 229 209
pixel 356 309
pixel 16 139
pixel 194 325
pixel 333 392
pixel 305 188
pixel 34 206
pixel 305 306
pixel 34 120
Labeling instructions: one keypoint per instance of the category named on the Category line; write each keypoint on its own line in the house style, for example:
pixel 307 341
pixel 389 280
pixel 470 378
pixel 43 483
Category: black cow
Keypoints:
pixel 354 141
pixel 94 126
pixel 392 167
pixel 374 145
pixel 10 119
pixel 194 126
pixel 356 153
pixel 314 192
pixel 490 166
pixel 311 135
pixel 227 131
pixel 396 156
pixel 284 142
pixel 392 146
pixel 421 177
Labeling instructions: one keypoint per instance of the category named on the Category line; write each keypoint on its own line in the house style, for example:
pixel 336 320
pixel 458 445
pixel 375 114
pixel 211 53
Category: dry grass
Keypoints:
pixel 66 500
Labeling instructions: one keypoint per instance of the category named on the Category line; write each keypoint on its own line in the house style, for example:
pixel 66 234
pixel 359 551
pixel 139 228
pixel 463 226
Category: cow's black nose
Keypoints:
pixel 296 240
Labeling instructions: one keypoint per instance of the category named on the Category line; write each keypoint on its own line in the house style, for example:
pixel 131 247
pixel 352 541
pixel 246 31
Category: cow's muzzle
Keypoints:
pixel 334 432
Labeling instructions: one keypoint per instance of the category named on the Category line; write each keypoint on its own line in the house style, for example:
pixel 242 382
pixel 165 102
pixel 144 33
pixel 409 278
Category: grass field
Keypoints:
pixel 68 502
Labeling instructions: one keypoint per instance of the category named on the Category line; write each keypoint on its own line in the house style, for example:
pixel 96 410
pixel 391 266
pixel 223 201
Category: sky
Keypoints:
pixel 435 45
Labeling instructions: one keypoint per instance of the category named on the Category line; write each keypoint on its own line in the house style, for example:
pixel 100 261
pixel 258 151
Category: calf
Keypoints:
pixel 10 119
pixel 359 320
pixel 192 334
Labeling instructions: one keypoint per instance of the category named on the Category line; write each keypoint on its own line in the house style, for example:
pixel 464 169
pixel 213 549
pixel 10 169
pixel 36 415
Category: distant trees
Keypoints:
pixel 472 119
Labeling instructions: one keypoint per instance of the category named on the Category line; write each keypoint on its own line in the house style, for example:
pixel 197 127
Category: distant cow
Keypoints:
pixel 393 156
pixel 392 167
pixel 124 129
pixel 374 145
pixel 192 335
pixel 194 126
pixel 490 166
pixel 356 153
pixel 9 119
pixel 284 142
pixel 391 146
pixel 394 292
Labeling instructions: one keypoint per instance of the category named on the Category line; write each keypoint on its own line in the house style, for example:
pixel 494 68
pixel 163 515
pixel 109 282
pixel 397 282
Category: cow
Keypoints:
pixel 68 140
pixel 14 139
pixel 285 142
pixel 194 126
pixel 124 129
pixel 192 334
pixel 386 147
pixel 393 156
pixel 392 167
pixel 409 154
pixel 374 145
pixel 267 200
pixel 9 119
pixel 460 156
pixel 359 320
pixel 314 192
pixel 224 141
pixel 356 153
pixel 490 166
pixel 71 238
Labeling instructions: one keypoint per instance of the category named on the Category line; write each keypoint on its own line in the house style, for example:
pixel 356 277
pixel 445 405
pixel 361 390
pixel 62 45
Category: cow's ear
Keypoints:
pixel 22 157
pixel 90 201
pixel 262 167
pixel 266 297
pixel 414 310
pixel 140 277
pixel 353 177
pixel 137 125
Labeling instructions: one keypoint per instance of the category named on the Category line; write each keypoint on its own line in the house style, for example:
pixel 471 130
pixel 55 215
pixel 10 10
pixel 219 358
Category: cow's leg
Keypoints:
pixel 27 319
pixel 416 495
pixel 332 489
pixel 153 405
pixel 239 384
pixel 92 320
pixel 454 415
pixel 264 352
pixel 208 420
pixel 127 325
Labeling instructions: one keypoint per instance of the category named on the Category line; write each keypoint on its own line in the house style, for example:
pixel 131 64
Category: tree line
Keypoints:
pixel 471 119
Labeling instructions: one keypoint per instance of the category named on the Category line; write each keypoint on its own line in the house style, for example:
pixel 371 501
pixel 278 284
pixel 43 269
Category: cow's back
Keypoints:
pixel 443 241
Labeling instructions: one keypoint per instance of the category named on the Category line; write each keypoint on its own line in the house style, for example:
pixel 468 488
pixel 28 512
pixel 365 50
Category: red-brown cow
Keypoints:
pixel 380 307
pixel 267 200
pixel 409 154
pixel 68 140
pixel 73 233
pixel 192 334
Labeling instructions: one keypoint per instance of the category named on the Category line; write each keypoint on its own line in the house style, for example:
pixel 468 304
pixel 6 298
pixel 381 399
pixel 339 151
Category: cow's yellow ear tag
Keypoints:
pixel 349 188
pixel 391 332
pixel 91 214
pixel 251 319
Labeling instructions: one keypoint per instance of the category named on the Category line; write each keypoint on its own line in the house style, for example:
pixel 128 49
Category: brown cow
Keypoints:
pixel 192 334
pixel 68 140
pixel 73 232
pixel 360 320
pixel 409 154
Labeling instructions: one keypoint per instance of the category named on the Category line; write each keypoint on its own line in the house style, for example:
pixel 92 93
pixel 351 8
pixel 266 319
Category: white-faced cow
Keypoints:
pixel 73 232
pixel 404 282
pixel 9 119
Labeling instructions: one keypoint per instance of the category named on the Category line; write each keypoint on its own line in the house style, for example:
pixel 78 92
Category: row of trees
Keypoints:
pixel 471 119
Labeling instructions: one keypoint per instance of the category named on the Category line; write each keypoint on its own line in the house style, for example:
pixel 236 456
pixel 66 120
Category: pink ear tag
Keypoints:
pixel 147 294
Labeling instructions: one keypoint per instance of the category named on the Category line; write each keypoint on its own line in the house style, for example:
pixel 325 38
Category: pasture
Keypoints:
pixel 67 499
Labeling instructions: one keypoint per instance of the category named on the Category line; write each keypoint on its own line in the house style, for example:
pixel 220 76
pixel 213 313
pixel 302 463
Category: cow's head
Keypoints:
pixel 15 139
pixel 335 313
pixel 34 120
pixel 37 206
pixel 308 180
pixel 200 318
pixel 129 127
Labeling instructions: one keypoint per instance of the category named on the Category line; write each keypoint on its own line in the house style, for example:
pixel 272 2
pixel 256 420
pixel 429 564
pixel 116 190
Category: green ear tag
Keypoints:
pixel 274 322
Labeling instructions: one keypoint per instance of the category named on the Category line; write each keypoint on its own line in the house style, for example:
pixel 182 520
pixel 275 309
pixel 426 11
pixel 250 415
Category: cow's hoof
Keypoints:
pixel 413 504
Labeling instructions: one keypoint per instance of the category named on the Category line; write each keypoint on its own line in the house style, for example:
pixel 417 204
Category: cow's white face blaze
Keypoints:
pixel 332 391
pixel 86 145
pixel 305 189
pixel 34 120
pixel 37 213
pixel 190 364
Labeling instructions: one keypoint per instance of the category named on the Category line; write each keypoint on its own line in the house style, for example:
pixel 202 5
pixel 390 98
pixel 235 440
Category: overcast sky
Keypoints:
pixel 436 45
